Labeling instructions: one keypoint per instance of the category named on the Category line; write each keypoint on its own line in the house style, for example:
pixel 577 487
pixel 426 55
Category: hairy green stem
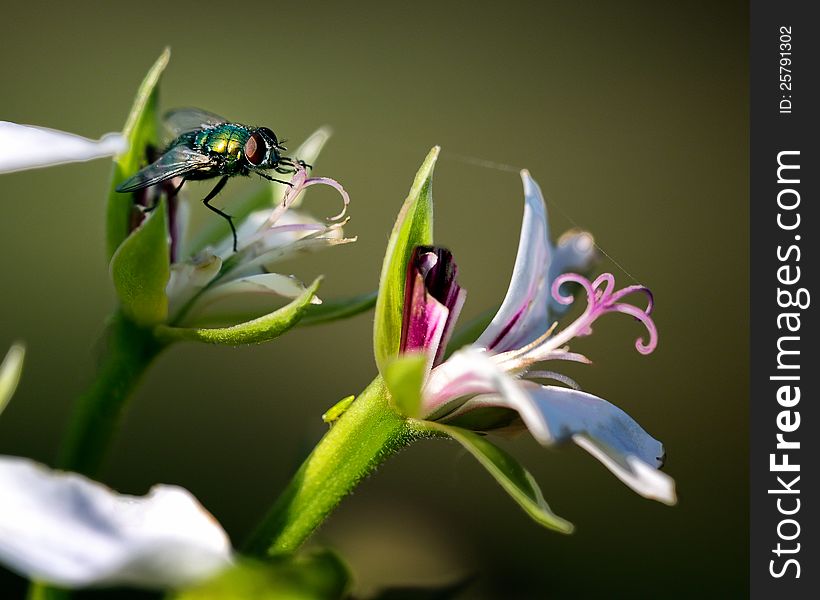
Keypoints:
pixel 129 350
pixel 364 436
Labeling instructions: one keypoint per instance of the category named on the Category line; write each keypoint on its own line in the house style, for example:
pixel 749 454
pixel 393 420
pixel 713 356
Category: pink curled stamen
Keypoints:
pixel 299 182
pixel 569 298
pixel 336 186
pixel 644 347
pixel 602 298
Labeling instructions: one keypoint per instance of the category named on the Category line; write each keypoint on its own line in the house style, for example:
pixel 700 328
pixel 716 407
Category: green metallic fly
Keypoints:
pixel 205 146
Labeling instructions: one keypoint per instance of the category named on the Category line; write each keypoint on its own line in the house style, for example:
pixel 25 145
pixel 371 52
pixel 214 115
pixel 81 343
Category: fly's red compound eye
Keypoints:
pixel 255 149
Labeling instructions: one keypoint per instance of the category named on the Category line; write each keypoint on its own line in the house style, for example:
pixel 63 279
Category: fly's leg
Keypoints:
pixel 177 188
pixel 206 201
pixel 269 178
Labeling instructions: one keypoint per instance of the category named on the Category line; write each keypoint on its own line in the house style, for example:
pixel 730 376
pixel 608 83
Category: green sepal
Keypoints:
pixel 315 576
pixel 514 478
pixel 255 331
pixel 338 308
pixel 10 370
pixel 315 314
pixel 260 197
pixel 141 130
pixel 140 269
pixel 414 227
pixel 404 378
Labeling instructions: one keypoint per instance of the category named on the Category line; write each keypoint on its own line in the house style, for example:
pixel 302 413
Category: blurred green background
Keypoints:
pixel 633 118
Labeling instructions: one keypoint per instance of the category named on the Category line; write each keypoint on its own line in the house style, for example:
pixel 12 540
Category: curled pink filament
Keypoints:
pixel 602 298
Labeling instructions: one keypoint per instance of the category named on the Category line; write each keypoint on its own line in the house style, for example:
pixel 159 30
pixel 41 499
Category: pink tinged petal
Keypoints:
pixel 29 147
pixel 64 529
pixel 603 430
pixel 522 317
pixel 468 373
pixel 432 301
pixel 424 317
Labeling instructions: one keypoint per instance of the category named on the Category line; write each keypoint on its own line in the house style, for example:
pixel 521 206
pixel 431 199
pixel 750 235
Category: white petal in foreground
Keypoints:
pixel 64 529
pixel 28 147
pixel 522 317
pixel 603 430
pixel 10 370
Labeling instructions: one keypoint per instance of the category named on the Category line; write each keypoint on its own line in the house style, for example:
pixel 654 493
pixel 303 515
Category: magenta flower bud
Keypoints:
pixel 432 301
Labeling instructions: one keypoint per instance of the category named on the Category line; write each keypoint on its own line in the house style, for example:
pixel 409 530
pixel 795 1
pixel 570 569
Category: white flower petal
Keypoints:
pixel 64 529
pixel 552 415
pixel 28 147
pixel 10 370
pixel 267 259
pixel 603 430
pixel 522 317
pixel 188 278
pixel 290 227
pixel 273 284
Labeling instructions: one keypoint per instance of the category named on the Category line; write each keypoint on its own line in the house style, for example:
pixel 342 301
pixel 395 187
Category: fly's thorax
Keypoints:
pixel 226 140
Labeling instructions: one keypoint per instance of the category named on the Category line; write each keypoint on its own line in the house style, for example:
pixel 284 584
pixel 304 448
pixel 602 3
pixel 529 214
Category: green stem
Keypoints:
pixel 364 436
pixel 129 351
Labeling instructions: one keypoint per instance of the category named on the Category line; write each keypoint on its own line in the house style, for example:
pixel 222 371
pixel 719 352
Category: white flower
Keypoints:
pixel 64 529
pixel 492 385
pixel 29 147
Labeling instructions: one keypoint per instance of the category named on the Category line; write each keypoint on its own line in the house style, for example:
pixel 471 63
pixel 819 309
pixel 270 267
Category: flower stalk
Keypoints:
pixel 360 440
pixel 129 351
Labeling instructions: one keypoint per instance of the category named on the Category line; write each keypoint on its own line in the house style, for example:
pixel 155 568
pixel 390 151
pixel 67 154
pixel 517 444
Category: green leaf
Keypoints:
pixel 255 331
pixel 10 370
pixel 414 227
pixel 317 576
pixel 141 130
pixel 404 377
pixel 259 198
pixel 141 267
pixel 339 308
pixel 514 478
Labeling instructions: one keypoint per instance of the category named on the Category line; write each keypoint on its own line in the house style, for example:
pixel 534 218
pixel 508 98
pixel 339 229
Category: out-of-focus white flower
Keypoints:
pixel 66 530
pixel 29 147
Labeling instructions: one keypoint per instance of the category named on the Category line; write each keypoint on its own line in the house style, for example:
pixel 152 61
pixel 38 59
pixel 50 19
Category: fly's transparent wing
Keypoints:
pixel 179 160
pixel 183 120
